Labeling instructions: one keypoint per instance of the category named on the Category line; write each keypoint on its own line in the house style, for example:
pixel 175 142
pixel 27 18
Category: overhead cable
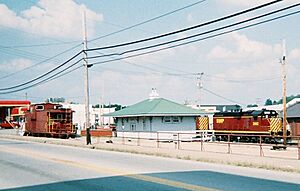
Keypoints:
pixel 50 78
pixel 45 74
pixel 198 34
pixel 220 96
pixel 201 39
pixel 43 61
pixel 147 21
pixel 187 29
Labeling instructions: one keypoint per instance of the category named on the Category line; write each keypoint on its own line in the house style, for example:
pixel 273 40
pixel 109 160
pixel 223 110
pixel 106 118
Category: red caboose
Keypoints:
pixel 50 120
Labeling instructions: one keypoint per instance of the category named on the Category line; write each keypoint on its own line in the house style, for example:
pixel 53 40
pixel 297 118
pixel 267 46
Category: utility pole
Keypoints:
pixel 200 86
pixel 86 74
pixel 283 64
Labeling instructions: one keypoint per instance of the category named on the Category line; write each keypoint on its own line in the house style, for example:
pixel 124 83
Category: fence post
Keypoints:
pixel 138 140
pixel 261 152
pixel 201 141
pixel 178 144
pixel 299 148
pixel 123 139
pixel 229 150
pixel 98 139
pixel 157 139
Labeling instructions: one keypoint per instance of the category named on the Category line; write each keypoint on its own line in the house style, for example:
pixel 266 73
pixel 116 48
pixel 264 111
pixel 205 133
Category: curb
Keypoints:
pixel 263 163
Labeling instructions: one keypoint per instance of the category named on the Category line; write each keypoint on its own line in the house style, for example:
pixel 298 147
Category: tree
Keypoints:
pixel 268 102
pixel 288 98
pixel 56 100
pixel 252 105
pixel 116 106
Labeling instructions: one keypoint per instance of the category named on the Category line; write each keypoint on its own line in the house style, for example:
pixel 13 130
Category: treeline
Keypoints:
pixel 288 99
pixel 276 102
pixel 117 106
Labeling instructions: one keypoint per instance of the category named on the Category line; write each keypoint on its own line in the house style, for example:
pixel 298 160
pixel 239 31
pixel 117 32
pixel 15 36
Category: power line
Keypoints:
pixel 40 45
pixel 45 74
pixel 43 61
pixel 189 28
pixel 48 79
pixel 147 21
pixel 34 34
pixel 201 39
pixel 22 53
pixel 220 96
pixel 241 80
pixel 198 34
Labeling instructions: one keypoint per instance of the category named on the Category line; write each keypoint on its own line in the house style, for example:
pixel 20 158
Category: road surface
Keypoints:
pixel 39 167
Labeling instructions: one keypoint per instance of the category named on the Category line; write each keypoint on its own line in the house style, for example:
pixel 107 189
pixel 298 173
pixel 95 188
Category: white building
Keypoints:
pixel 96 115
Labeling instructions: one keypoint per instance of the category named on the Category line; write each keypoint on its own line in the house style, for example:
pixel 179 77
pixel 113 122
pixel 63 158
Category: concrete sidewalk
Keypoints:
pixel 271 163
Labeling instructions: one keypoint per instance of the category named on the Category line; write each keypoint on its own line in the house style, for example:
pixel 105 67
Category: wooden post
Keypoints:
pixel 261 152
pixel 178 144
pixel 138 140
pixel 229 150
pixel 157 140
pixel 299 149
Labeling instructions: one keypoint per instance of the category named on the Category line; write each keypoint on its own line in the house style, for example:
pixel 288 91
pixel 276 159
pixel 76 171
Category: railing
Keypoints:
pixel 206 141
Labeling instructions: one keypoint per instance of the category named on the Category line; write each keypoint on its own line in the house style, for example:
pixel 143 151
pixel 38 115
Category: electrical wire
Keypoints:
pixel 48 79
pixel 187 29
pixel 40 45
pixel 201 39
pixel 198 34
pixel 45 74
pixel 241 80
pixel 147 21
pixel 58 42
pixel 43 61
pixel 139 54
pixel 220 96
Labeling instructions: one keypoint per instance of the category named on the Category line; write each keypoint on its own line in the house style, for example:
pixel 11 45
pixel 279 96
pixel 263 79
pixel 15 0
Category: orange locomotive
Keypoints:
pixel 49 120
pixel 261 122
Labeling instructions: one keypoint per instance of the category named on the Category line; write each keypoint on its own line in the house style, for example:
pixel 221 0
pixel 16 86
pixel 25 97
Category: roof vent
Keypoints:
pixel 153 94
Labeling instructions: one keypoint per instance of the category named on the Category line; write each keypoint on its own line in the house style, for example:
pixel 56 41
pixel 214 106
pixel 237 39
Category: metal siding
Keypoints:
pixel 294 111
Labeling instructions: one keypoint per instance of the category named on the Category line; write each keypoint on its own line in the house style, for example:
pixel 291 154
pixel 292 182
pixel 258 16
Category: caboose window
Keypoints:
pixel 39 107
pixel 59 116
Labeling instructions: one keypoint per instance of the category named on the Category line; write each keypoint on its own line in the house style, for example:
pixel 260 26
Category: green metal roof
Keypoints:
pixel 156 107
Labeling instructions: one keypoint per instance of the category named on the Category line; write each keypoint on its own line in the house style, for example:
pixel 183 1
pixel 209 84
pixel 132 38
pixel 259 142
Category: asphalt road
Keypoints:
pixel 38 166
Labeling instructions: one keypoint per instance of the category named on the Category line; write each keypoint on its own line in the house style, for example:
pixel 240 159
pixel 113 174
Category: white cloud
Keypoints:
pixel 294 54
pixel 190 18
pixel 238 47
pixel 15 65
pixel 250 67
pixel 51 18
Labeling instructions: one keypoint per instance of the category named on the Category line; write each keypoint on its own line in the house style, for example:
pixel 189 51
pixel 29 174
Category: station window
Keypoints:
pixel 167 119
pixel 175 119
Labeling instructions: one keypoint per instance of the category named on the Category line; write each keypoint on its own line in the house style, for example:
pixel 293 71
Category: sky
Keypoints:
pixel 242 67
